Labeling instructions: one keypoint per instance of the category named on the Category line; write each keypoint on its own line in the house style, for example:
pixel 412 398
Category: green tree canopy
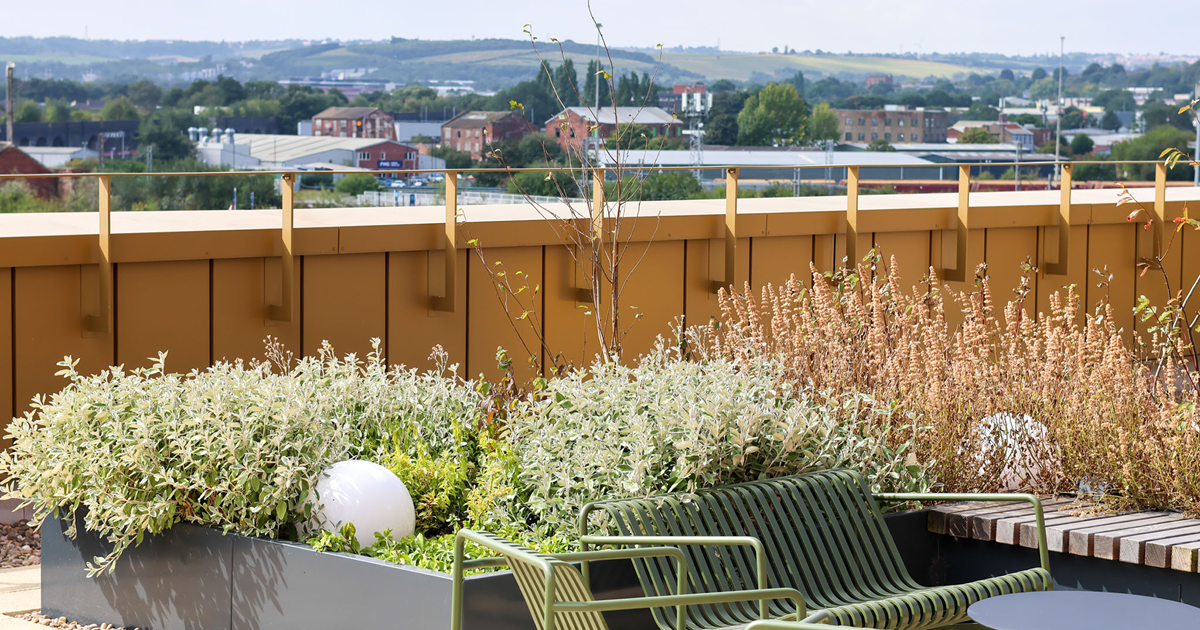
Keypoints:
pixel 27 112
pixel 357 183
pixel 977 135
pixel 166 131
pixel 1150 146
pixel 1082 144
pixel 880 145
pixel 1111 121
pixel 118 109
pixel 776 116
pixel 823 125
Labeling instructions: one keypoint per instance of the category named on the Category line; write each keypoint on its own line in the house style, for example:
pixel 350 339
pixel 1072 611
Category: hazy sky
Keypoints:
pixel 1138 26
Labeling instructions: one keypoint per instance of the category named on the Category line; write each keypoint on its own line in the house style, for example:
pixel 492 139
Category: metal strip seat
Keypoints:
pixel 820 533
pixel 559 597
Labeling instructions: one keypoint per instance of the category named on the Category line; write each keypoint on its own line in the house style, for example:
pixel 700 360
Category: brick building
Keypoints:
pixel 876 79
pixel 14 160
pixel 388 155
pixel 572 125
pixel 893 124
pixel 354 122
pixel 470 132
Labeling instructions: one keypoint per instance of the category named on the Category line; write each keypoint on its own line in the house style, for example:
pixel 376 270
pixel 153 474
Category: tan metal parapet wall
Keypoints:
pixel 207 285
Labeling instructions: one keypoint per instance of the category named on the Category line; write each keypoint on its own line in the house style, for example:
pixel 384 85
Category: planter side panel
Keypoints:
pixel 179 580
pixel 282 585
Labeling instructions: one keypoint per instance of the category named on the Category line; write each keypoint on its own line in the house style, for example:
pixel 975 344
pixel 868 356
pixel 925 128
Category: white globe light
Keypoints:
pixel 366 494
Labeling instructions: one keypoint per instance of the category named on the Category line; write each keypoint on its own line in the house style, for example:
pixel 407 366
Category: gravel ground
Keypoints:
pixel 20 545
pixel 62 622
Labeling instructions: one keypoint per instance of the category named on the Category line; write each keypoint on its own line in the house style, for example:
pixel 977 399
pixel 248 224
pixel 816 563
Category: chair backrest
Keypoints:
pixel 822 532
pixel 531 578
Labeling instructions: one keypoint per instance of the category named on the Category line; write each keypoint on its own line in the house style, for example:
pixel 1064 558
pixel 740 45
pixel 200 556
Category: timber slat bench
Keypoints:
pixel 820 533
pixel 1157 539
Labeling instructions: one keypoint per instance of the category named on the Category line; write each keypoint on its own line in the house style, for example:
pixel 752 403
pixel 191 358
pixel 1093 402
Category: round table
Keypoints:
pixel 1082 610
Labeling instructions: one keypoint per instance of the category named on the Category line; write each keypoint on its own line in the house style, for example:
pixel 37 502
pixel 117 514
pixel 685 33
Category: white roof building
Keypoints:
pixel 622 115
pixel 55 157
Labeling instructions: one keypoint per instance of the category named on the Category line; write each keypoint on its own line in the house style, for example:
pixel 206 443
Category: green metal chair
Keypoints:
pixel 821 533
pixel 560 599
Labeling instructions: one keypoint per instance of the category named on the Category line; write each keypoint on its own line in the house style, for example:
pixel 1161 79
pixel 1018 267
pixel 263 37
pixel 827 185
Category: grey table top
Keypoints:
pixel 1082 610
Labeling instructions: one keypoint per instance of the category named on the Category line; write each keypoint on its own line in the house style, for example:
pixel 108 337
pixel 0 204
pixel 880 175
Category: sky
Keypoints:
pixel 860 26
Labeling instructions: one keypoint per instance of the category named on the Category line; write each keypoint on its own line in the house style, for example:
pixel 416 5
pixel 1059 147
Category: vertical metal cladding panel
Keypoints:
pixel 911 251
pixel 824 252
pixel 1114 247
pixel 48 320
pixel 494 318
pixel 178 580
pixel 705 266
pixel 344 302
pixel 975 252
pixel 774 259
pixel 649 306
pixel 242 288
pixel 1079 271
pixel 1007 249
pixel 570 323
pixel 163 307
pixel 413 327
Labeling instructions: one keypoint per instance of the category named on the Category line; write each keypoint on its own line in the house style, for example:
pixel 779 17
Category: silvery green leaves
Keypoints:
pixel 236 447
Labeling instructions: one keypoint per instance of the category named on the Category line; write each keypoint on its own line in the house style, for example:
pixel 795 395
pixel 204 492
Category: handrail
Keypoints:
pixel 575 169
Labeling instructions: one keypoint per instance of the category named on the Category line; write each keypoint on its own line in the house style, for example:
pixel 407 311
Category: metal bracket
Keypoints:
pixel 851 216
pixel 284 312
pixel 445 301
pixel 1061 266
pixel 731 235
pixel 596 234
pixel 962 226
pixel 103 322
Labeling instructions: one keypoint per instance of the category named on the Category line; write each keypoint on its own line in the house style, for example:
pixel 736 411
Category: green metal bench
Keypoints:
pixel 560 599
pixel 820 533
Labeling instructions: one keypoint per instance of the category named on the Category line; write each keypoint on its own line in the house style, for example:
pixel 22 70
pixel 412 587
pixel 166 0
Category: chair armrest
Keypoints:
pixel 640 552
pixel 760 556
pixel 693 599
pixel 1043 551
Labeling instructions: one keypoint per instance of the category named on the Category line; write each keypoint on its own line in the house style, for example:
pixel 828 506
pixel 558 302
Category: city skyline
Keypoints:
pixel 874 26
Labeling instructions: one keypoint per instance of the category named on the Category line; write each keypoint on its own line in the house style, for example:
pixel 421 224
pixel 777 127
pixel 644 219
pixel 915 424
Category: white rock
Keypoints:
pixel 366 494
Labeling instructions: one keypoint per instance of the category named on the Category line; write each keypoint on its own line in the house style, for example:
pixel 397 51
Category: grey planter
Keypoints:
pixel 193 578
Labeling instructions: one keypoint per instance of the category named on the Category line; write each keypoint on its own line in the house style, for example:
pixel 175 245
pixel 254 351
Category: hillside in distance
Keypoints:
pixel 491 63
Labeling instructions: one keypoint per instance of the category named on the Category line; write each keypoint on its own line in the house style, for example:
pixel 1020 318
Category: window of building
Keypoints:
pixel 364 155
pixel 572 134
pixel 887 136
pixel 849 121
pixel 874 122
pixel 862 136
pixel 459 132
pixel 914 122
pixel 900 138
pixel 915 137
pixel 900 122
pixel 874 136
pixel 849 136
pixel 862 121
pixel 558 133
pixel 383 155
pixel 887 122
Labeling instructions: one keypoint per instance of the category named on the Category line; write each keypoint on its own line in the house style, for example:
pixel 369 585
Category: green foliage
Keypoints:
pixel 977 135
pixel 454 159
pixel 27 112
pixel 721 122
pixel 669 424
pixel 1111 121
pixel 17 196
pixel 358 183
pixel 1150 146
pixel 548 184
pixel 1082 144
pixel 823 125
pixel 118 109
pixel 166 131
pixel 980 110
pixel 775 116
pixel 880 145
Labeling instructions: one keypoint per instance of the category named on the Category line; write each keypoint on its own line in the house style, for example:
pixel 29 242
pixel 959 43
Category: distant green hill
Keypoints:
pixel 492 63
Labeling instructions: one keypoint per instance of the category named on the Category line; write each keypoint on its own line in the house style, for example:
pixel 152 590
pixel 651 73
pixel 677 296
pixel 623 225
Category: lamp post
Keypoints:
pixel 1058 123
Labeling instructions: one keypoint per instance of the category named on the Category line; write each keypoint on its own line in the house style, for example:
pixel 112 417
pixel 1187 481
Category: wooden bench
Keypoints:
pixel 821 534
pixel 1157 539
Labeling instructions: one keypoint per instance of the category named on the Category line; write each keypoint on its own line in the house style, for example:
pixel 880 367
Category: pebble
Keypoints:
pixel 61 622
pixel 20 545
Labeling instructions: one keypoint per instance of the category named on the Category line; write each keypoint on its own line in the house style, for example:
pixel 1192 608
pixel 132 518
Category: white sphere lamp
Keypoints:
pixel 366 494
